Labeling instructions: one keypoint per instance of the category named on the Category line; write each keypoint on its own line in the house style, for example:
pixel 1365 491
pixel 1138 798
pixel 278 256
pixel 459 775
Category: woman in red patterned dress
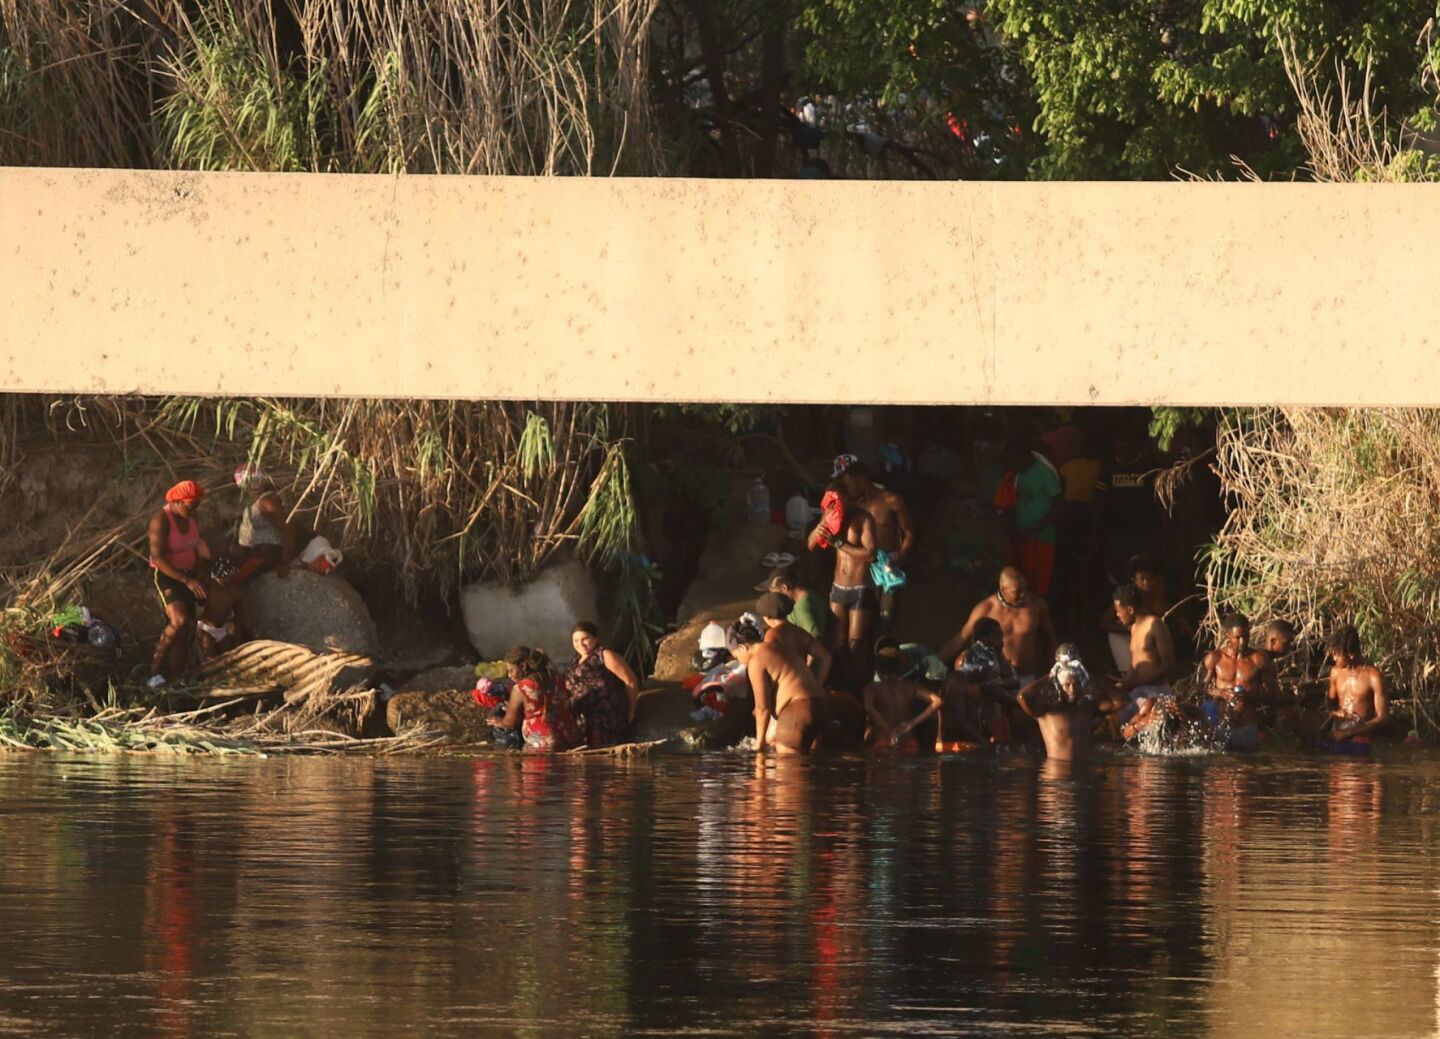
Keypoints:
pixel 537 702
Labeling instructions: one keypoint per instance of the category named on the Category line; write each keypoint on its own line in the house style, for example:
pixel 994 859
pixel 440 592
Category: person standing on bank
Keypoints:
pixel 894 530
pixel 177 551
pixel 852 594
pixel 602 687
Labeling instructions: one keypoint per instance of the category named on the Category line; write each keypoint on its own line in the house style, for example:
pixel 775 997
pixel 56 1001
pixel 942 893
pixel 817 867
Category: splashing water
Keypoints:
pixel 1172 737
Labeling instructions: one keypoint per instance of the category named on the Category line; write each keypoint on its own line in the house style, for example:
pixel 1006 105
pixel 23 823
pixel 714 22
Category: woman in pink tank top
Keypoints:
pixel 177 551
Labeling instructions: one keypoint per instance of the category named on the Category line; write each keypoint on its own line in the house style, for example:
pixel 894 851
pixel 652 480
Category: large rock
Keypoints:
pixel 541 613
pixel 724 588
pixel 450 712
pixel 322 612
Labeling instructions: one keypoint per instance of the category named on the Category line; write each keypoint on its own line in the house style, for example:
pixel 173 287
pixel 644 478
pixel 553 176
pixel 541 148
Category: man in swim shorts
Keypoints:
pixel 894 531
pixel 852 595
pixel 1357 689
pixel 1152 654
pixel 785 690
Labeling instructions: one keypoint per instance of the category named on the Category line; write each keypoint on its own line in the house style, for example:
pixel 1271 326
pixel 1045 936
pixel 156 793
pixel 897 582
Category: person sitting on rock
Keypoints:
pixel 537 702
pixel 266 539
pixel 603 689
pixel 177 552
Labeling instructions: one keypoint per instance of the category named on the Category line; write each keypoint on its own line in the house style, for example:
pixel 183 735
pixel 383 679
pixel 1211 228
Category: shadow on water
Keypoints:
pixel 719 895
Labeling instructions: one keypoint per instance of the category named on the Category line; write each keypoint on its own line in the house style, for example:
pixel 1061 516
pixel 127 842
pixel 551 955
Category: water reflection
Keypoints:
pixel 720 895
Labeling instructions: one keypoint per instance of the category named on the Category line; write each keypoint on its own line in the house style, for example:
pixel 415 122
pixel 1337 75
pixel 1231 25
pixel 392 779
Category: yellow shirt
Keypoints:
pixel 1080 475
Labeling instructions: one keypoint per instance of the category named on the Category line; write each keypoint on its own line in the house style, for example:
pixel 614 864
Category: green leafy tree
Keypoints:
pixel 1140 88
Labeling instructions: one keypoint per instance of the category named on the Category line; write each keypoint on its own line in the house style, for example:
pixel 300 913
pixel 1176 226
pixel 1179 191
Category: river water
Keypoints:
pixel 706 895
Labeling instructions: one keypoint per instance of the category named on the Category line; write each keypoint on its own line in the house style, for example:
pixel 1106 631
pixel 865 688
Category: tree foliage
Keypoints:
pixel 1140 88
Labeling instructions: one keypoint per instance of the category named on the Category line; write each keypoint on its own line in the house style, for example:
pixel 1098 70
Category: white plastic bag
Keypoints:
pixel 321 556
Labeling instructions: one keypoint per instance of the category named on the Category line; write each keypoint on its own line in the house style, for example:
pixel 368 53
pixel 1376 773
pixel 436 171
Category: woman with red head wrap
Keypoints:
pixel 177 551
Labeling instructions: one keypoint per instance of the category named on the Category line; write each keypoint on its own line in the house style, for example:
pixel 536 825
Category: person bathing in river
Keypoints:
pixel 1239 680
pixel 810 612
pixel 177 554
pixel 1152 654
pixel 537 702
pixel 852 594
pixel 896 706
pixel 603 689
pixel 1065 704
pixel 979 690
pixel 1357 690
pixel 894 531
pixel 1026 631
pixel 792 710
pixel 774 609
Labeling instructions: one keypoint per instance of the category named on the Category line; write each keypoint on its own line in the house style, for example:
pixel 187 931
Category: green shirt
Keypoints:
pixel 1035 489
pixel 810 617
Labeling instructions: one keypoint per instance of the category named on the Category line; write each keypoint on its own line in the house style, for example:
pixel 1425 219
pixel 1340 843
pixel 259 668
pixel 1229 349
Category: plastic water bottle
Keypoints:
pixel 758 502
pixel 797 512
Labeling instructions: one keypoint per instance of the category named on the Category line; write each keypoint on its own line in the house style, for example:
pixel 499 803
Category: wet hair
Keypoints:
pixel 585 628
pixel 1282 628
pixel 774 604
pixel 1143 564
pixel 1345 639
pixel 1126 595
pixel 1234 620
pixel 529 662
pixel 987 627
pixel 784 575
pixel 742 633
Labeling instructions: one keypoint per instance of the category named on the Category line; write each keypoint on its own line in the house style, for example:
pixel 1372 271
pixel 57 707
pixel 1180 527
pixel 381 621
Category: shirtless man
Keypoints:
pixel 1238 679
pixel 894 532
pixel 979 690
pixel 1065 703
pixel 1152 654
pixel 1024 621
pixel 785 691
pixel 773 608
pixel 852 596
pixel 1358 690
pixel 890 703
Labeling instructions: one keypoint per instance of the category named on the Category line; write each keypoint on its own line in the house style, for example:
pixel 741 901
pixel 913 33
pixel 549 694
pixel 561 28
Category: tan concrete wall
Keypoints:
pixel 713 290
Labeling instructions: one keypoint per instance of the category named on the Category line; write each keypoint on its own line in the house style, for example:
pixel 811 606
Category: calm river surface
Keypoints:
pixel 702 895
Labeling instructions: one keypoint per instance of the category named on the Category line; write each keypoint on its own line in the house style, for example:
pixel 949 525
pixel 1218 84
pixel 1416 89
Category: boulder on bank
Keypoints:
pixel 439 701
pixel 323 612
pixel 724 588
pixel 541 613
pixel 449 712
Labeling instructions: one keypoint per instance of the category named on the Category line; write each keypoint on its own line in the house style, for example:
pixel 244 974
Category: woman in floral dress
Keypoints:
pixel 603 689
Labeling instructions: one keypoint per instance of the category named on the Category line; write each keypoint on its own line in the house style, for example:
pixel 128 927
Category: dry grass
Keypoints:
pixel 552 87
pixel 1335 519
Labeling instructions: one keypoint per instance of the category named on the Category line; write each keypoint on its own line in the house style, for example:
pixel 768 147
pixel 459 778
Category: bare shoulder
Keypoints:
pixel 1211 658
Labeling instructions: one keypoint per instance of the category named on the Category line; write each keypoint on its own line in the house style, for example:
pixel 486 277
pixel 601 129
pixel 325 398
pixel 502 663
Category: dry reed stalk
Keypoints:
pixel 1335 519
